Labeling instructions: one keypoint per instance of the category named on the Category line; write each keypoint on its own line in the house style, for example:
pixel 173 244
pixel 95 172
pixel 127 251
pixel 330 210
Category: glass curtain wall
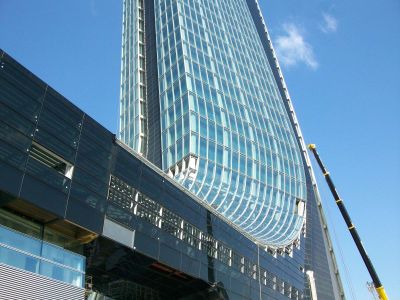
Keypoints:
pixel 220 106
pixel 23 248
pixel 133 117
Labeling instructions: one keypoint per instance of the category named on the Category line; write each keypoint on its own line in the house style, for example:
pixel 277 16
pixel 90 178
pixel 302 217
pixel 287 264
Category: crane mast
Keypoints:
pixel 353 231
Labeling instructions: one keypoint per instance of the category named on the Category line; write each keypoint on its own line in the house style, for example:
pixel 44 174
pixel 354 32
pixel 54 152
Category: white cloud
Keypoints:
pixel 292 49
pixel 330 24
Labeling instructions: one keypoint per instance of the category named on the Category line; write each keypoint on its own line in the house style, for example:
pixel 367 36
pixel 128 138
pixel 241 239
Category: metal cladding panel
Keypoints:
pixel 19 284
pixel 118 233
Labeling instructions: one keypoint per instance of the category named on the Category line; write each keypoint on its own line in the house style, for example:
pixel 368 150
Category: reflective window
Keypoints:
pixel 34 255
pixel 232 111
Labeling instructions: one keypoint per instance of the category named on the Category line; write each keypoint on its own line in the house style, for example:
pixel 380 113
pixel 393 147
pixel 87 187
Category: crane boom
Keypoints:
pixel 353 231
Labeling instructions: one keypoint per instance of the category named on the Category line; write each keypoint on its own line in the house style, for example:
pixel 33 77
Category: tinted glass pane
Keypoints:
pixel 170 256
pixel 84 179
pixel 90 150
pixel 119 215
pixel 18 260
pixel 83 214
pixel 93 168
pixel 190 265
pixel 64 109
pixel 93 130
pixel 126 167
pixel 19 77
pixel 17 100
pixel 16 120
pixel 146 244
pixel 19 241
pixel 12 156
pixel 52 142
pixel 150 183
pixel 61 256
pixel 60 273
pixel 55 126
pixel 172 198
pixel 14 137
pixel 10 181
pixel 89 197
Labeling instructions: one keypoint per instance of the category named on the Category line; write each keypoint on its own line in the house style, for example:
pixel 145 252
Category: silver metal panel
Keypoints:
pixel 118 233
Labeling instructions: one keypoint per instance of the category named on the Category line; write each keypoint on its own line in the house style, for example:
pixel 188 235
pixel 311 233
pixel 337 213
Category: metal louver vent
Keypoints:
pixel 51 160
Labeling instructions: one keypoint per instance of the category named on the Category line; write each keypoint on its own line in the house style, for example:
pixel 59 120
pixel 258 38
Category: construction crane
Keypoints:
pixel 353 231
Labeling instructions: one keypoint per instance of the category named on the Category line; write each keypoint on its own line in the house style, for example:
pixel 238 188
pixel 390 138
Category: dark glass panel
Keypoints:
pixel 102 158
pixel 242 246
pixel 170 196
pixel 250 251
pixel 10 179
pixel 119 215
pixel 148 229
pixel 170 256
pixel 146 244
pixel 182 205
pixel 151 183
pixel 62 108
pixel 206 272
pixel 83 214
pixel 43 195
pixel 58 128
pixel 15 120
pixel 94 131
pixel 126 167
pixel 52 143
pixel 17 100
pixel 234 296
pixel 93 151
pixel 12 156
pixel 255 291
pixel 17 78
pixel 90 182
pixel 189 250
pixel 48 175
pixel 190 265
pixel 222 273
pixel 92 168
pixel 14 137
pixel 240 285
pixel 83 194
pixel 223 233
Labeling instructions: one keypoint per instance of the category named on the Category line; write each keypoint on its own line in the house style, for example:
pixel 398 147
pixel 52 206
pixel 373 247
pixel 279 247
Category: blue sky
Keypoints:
pixel 341 61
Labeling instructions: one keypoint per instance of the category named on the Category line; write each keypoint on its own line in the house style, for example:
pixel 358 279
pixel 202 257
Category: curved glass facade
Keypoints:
pixel 225 132
pixel 220 104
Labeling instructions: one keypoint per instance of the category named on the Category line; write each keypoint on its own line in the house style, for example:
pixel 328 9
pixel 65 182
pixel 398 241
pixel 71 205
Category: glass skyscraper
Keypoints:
pixel 203 98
